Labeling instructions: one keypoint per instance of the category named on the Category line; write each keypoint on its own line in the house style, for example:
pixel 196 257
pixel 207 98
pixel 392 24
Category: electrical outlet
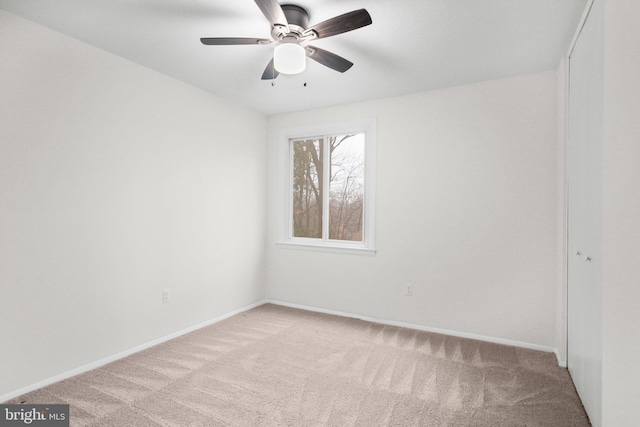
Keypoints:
pixel 408 289
pixel 165 296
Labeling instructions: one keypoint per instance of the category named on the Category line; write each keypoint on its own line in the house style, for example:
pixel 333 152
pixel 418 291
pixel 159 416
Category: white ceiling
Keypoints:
pixel 412 45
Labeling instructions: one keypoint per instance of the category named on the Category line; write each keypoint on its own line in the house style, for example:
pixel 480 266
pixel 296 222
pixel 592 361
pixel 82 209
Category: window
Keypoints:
pixel 326 186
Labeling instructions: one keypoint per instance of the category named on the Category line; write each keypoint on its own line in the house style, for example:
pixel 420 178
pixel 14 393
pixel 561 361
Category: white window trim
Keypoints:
pixel 285 226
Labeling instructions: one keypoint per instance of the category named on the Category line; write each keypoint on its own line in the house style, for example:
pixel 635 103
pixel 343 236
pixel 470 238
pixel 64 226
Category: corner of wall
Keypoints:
pixel 562 124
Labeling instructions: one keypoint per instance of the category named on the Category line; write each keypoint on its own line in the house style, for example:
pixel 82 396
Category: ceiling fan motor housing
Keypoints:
pixel 298 19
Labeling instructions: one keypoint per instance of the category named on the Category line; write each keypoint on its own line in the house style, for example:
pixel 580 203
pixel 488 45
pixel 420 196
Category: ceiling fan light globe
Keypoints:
pixel 289 58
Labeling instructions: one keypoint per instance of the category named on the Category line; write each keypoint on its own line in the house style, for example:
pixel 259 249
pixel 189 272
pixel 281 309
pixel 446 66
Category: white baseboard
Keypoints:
pixel 123 354
pixel 177 334
pixel 561 363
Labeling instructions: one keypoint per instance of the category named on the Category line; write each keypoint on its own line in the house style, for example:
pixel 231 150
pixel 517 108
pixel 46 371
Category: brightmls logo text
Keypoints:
pixel 34 415
pixel 26 416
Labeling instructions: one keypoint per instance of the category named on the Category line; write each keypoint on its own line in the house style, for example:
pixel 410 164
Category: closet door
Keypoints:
pixel 584 349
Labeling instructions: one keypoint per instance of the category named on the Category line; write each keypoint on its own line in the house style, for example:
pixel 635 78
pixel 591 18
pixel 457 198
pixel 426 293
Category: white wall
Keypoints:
pixel 116 182
pixel 467 211
pixel 621 233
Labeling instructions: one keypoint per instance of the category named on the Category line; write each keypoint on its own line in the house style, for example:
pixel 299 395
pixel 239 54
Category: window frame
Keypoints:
pixel 285 188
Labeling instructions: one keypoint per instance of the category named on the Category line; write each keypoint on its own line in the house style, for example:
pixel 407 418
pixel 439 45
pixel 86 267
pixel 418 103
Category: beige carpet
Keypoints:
pixel 276 366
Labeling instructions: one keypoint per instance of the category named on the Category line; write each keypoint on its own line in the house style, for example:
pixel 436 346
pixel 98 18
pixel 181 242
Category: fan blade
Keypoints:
pixel 270 72
pixel 328 59
pixel 228 41
pixel 273 12
pixel 341 24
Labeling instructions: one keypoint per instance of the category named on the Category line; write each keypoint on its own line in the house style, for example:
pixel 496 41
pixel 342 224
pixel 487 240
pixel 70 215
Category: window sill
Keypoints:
pixel 337 249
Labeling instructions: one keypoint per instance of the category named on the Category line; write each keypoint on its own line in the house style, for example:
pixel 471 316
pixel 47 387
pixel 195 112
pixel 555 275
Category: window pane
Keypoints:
pixel 307 188
pixel 346 187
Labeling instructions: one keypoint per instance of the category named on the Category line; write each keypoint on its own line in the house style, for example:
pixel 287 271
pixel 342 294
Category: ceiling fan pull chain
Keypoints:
pixel 273 76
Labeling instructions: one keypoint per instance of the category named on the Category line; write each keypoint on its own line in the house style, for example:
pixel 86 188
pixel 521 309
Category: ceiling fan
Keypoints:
pixel 290 30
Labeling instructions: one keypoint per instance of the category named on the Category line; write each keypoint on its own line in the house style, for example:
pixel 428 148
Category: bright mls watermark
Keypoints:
pixel 34 415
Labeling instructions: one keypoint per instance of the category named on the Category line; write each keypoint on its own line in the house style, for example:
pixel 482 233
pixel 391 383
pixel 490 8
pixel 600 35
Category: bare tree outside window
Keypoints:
pixel 308 183
pixel 346 187
pixel 345 190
